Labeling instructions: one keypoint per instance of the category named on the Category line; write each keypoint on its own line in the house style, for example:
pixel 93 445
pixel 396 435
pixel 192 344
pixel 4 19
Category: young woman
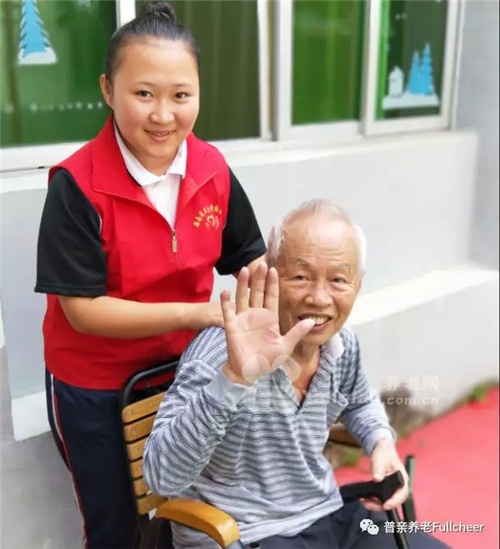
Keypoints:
pixel 133 225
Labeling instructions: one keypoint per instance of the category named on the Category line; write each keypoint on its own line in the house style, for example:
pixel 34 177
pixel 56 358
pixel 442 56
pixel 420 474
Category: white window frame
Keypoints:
pixel 32 157
pixel 368 125
pixel 283 88
pixel 374 127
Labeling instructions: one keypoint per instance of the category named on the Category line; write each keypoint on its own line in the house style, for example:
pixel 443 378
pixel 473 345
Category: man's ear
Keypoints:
pixel 106 90
pixel 359 283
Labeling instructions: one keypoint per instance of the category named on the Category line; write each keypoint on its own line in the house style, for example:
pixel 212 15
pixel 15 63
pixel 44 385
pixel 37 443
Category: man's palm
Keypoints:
pixel 254 343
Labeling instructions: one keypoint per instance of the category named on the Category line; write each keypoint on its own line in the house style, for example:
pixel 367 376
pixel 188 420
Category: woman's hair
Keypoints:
pixel 156 19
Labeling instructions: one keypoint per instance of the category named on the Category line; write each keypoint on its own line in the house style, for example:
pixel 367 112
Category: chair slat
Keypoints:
pixel 140 488
pixel 136 468
pixel 148 503
pixel 142 408
pixel 136 449
pixel 138 419
pixel 138 429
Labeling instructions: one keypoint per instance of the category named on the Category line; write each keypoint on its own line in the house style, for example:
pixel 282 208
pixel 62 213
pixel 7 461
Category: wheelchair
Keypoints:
pixel 155 513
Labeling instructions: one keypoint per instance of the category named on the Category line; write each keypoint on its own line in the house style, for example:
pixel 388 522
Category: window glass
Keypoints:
pixel 52 54
pixel 226 32
pixel 411 58
pixel 328 40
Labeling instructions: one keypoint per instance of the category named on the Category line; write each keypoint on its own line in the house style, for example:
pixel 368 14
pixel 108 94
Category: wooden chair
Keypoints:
pixel 137 421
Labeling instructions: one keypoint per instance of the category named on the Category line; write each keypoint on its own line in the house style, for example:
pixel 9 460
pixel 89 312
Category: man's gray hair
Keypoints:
pixel 310 208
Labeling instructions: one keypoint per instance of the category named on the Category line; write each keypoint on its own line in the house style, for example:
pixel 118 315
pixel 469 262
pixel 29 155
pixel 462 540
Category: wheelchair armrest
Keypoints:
pixel 202 517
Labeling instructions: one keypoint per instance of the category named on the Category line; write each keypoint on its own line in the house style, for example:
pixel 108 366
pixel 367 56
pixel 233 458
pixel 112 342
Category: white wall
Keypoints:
pixel 478 102
pixel 412 194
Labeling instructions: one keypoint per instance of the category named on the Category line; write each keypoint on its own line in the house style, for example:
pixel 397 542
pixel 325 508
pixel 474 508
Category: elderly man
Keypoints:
pixel 246 421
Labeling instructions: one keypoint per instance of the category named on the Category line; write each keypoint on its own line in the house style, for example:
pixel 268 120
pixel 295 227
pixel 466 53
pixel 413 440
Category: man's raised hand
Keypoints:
pixel 255 346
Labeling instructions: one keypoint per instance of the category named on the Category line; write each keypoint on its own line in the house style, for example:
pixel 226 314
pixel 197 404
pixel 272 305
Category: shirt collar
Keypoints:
pixel 330 352
pixel 335 347
pixel 139 172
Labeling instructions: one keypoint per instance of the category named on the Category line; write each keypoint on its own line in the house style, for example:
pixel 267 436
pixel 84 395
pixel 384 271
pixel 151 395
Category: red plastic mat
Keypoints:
pixel 456 473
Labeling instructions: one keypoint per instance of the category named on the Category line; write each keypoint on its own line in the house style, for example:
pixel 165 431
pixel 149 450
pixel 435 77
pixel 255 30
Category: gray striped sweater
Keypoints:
pixel 255 452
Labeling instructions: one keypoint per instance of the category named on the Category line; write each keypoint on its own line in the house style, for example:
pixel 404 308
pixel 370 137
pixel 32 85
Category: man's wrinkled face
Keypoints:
pixel 319 275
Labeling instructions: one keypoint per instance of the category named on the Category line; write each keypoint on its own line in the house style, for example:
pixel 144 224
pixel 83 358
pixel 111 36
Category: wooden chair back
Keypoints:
pixel 138 419
pixel 137 422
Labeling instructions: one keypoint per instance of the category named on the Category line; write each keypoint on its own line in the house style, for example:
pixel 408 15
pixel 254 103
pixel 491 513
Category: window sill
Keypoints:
pixel 238 153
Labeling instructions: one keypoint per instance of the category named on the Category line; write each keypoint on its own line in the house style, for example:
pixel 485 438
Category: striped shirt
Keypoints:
pixel 256 452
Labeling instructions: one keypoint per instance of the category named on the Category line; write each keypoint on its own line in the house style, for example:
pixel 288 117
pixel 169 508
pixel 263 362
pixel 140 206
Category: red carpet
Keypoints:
pixel 456 472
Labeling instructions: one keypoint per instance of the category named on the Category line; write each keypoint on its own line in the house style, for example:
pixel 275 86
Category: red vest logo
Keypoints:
pixel 209 217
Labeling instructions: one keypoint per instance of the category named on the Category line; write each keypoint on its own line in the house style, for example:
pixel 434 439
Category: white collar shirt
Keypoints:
pixel 162 190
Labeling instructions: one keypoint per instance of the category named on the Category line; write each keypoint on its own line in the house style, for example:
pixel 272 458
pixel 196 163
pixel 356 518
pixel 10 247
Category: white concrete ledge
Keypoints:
pixel 443 324
pixel 29 416
pixel 239 153
pixel 436 335
pixel 418 291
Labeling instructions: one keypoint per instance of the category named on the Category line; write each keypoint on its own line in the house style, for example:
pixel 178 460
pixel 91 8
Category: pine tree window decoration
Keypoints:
pixel 34 45
pixel 415 79
pixel 426 70
pixel 420 90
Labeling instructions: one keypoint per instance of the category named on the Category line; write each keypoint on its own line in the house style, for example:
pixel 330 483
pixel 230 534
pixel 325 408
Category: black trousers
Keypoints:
pixel 342 530
pixel 87 431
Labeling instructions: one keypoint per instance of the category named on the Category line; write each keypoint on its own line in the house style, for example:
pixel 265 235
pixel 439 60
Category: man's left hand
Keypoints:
pixel 385 461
